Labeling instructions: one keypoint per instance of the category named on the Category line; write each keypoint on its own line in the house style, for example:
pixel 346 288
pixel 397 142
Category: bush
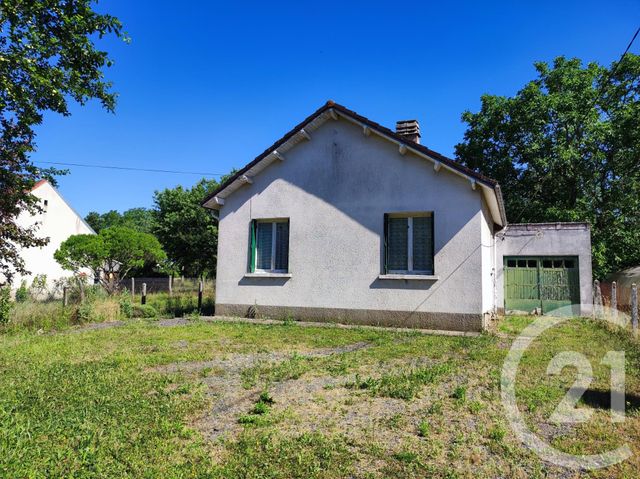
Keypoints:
pixel 22 293
pixel 82 313
pixel 144 311
pixel 5 305
pixel 126 306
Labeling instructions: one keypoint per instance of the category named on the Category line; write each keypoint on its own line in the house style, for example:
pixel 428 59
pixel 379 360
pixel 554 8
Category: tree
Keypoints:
pixel 188 232
pixel 47 57
pixel 111 254
pixel 139 219
pixel 566 148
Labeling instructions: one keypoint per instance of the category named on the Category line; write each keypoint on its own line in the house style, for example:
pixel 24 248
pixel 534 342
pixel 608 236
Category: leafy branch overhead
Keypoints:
pixel 48 57
pixel 566 147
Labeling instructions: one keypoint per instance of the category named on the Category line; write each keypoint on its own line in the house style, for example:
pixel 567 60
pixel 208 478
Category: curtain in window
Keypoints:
pixel 264 242
pixel 422 243
pixel 397 247
pixel 282 246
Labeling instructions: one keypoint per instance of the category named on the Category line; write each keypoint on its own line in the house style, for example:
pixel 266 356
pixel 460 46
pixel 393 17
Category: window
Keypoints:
pixel 408 243
pixel 269 246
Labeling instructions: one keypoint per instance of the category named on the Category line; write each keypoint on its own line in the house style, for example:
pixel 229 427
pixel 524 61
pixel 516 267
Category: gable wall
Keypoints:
pixel 335 189
pixel 58 223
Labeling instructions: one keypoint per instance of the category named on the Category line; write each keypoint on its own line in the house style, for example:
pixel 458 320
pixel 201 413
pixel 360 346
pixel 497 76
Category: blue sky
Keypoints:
pixel 207 86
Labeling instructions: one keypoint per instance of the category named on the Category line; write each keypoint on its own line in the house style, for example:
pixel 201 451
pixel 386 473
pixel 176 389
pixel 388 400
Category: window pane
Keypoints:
pixel 568 263
pixel 282 246
pixel 398 238
pixel 511 263
pixel 547 263
pixel 422 241
pixel 522 263
pixel 264 241
pixel 532 263
pixel 557 263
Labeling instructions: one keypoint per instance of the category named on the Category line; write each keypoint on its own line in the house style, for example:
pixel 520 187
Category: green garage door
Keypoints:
pixel 543 282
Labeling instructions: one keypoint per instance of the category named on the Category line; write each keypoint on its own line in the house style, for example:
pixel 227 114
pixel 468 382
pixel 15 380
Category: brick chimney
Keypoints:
pixel 409 129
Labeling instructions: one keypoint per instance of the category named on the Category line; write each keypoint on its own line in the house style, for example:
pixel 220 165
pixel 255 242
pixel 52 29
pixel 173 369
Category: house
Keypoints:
pixel 345 220
pixel 58 221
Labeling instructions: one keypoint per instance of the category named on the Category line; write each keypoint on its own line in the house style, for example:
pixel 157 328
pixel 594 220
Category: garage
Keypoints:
pixel 541 283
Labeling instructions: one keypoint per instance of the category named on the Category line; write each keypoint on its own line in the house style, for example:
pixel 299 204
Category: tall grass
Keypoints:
pixel 50 315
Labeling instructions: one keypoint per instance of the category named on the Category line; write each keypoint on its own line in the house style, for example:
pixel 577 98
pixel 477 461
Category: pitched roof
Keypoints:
pixel 38 184
pixel 330 107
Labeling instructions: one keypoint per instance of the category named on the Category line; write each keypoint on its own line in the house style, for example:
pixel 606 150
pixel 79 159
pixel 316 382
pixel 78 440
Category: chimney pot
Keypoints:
pixel 409 129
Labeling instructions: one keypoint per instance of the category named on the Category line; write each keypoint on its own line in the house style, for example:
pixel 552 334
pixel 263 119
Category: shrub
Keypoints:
pixel 22 293
pixel 126 307
pixel 83 313
pixel 144 311
pixel 5 305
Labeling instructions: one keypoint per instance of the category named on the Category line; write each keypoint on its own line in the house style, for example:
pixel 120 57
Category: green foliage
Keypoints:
pixel 22 293
pixel 460 393
pixel 187 231
pixel 181 305
pixel 424 428
pixel 115 251
pixel 139 219
pixel 566 148
pixel 6 305
pixel 48 58
pixel 126 306
pixel 83 313
pixel 144 311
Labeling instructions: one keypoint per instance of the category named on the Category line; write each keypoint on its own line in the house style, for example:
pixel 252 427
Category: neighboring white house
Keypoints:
pixel 345 220
pixel 58 221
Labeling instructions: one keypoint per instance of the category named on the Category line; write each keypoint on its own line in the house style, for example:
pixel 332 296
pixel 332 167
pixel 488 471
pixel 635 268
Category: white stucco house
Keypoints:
pixel 58 221
pixel 345 220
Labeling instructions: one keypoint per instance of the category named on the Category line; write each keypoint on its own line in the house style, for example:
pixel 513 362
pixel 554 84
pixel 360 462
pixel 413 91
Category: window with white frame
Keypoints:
pixel 408 239
pixel 269 246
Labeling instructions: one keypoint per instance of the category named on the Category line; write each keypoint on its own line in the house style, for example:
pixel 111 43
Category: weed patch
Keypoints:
pixel 405 385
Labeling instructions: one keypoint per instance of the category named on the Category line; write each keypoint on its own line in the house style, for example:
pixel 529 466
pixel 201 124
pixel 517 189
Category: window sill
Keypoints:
pixel 267 275
pixel 414 277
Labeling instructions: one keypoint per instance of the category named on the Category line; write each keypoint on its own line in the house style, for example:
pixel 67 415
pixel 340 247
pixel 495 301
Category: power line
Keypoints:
pixel 129 168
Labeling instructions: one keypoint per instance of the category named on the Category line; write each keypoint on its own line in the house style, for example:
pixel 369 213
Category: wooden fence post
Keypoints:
pixel 65 296
pixel 200 288
pixel 614 301
pixel 170 285
pixel 133 287
pixel 634 308
pixel 598 300
pixel 144 294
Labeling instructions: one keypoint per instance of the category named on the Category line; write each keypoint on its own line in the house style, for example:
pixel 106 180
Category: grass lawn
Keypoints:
pixel 211 399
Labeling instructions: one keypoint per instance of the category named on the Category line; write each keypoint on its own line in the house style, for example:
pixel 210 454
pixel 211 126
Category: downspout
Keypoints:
pixel 495 274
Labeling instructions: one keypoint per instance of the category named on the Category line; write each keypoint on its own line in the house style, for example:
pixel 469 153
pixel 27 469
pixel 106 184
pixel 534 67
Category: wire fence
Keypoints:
pixel 167 284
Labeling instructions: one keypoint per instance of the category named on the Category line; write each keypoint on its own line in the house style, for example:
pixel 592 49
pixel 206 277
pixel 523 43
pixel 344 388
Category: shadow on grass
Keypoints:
pixel 601 399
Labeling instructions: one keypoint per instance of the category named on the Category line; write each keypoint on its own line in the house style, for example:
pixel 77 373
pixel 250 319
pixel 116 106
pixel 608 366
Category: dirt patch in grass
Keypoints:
pixel 227 389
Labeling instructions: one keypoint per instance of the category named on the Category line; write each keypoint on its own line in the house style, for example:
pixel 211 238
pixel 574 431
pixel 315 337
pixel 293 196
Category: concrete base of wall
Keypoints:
pixel 369 317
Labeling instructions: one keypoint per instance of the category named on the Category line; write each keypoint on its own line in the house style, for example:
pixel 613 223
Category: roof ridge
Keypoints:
pixel 330 104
